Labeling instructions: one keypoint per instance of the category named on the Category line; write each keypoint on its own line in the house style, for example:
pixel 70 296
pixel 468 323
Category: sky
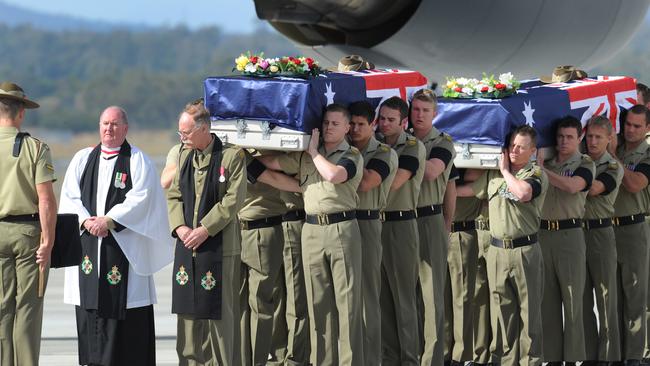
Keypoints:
pixel 232 16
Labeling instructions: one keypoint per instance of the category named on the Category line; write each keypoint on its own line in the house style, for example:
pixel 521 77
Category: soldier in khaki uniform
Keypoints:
pixel 439 152
pixel 378 174
pixel 262 276
pixel 601 344
pixel 328 177
pixel 631 233
pixel 481 300
pixel 400 240
pixel 296 313
pixel 206 269
pixel 25 244
pixel 514 261
pixel 561 238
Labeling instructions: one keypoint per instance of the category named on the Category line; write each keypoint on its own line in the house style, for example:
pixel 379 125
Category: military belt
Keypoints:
pixel 295 215
pixel 367 214
pixel 429 210
pixel 20 218
pixel 398 215
pixel 463 226
pixel 261 223
pixel 514 243
pixel 482 225
pixel 328 219
pixel 628 220
pixel 555 225
pixel 597 223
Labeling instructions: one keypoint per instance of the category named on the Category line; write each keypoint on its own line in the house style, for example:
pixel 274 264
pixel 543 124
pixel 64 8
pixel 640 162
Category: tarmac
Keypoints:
pixel 59 337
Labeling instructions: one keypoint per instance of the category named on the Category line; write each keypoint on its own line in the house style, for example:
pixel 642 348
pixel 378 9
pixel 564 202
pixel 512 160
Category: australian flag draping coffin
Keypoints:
pixel 279 113
pixel 479 126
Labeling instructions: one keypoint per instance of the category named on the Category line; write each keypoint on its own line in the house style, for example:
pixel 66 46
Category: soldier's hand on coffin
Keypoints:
pixel 313 142
pixel 504 162
pixel 196 237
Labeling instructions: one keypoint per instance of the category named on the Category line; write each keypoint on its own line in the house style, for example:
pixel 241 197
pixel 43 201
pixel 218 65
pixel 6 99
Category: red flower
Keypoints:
pixel 296 61
pixel 309 61
pixel 284 60
pixel 484 89
pixel 254 60
pixel 500 86
pixel 458 89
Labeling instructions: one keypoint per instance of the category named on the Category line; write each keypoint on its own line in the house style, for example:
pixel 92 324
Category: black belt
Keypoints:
pixel 429 210
pixel 555 225
pixel 515 243
pixel 628 220
pixel 398 215
pixel 367 214
pixel 482 225
pixel 463 226
pixel 261 223
pixel 328 219
pixel 20 218
pixel 597 223
pixel 296 215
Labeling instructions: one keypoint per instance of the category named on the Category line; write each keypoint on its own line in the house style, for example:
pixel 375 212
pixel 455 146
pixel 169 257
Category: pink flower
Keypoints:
pixel 264 64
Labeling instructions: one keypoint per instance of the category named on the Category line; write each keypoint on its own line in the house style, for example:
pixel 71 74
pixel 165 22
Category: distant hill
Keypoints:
pixel 13 15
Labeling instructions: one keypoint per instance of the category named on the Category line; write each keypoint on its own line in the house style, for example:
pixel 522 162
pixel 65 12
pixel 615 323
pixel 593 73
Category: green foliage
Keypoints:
pixel 74 75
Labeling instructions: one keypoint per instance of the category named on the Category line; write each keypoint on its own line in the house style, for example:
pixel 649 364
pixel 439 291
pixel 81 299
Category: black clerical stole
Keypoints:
pixel 106 291
pixel 197 281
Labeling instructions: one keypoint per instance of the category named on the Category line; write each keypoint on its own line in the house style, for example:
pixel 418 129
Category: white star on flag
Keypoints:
pixel 329 94
pixel 528 113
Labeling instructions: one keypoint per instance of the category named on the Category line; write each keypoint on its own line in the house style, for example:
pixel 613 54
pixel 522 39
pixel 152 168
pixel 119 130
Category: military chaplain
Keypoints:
pixel 113 188
pixel 203 200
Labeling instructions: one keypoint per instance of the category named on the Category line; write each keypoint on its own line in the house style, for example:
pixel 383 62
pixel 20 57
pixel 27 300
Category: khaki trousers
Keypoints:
pixel 332 261
pixel 565 273
pixel 632 278
pixel 482 335
pixel 371 287
pixel 209 342
pixel 434 243
pixel 21 310
pixel 601 343
pixel 262 262
pixel 462 261
pixel 294 310
pixel 516 281
pixel 399 277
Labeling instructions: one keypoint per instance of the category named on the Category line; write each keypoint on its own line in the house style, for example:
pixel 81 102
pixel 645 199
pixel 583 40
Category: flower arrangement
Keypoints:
pixel 488 87
pixel 258 65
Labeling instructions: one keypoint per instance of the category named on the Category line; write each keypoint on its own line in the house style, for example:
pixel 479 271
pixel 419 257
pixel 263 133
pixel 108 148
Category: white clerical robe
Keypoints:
pixel 145 241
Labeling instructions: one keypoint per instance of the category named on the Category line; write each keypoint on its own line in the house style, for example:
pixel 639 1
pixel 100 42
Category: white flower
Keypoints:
pixel 506 78
pixel 250 68
pixel 305 67
pixel 468 90
pixel 462 81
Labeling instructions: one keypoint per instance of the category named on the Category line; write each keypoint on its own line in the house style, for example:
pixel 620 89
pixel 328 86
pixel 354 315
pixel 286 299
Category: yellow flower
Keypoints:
pixel 273 68
pixel 451 84
pixel 241 62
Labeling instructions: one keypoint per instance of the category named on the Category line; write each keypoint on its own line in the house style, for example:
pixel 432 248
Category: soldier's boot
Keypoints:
pixel 632 363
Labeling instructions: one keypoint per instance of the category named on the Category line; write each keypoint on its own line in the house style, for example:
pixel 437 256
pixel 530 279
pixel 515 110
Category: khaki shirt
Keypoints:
pixel 437 145
pixel 408 150
pixel 321 196
pixel 610 173
pixel 223 216
pixel 632 203
pixel 292 200
pixel 21 175
pixel 377 154
pixel 509 217
pixel 467 208
pixel 262 200
pixel 173 155
pixel 562 205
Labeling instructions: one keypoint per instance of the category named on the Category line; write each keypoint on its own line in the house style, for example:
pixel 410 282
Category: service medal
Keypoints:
pixel 222 175
pixel 86 265
pixel 182 277
pixel 208 282
pixel 114 276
